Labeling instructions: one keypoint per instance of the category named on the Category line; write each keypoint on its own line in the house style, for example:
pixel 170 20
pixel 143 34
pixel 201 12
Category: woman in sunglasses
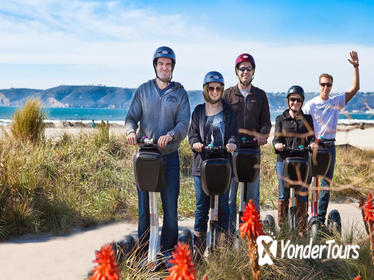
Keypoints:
pixel 213 122
pixel 292 129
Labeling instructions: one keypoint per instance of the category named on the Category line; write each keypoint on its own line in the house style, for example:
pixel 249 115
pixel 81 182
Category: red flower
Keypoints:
pixel 252 225
pixel 107 268
pixel 183 268
pixel 358 277
pixel 369 210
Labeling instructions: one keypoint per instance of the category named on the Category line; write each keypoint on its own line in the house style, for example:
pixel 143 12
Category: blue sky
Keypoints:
pixel 46 43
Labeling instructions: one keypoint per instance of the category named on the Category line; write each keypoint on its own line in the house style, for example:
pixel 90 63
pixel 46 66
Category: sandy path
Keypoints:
pixel 70 257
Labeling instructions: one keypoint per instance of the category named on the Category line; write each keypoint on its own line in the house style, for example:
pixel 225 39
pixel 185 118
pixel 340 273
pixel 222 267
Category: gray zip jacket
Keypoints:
pixel 156 116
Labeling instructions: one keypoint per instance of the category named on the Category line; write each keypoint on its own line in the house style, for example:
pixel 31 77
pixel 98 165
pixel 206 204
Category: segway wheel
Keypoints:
pixel 124 248
pixel 334 222
pixel 315 227
pixel 292 218
pixel 186 238
pixel 269 224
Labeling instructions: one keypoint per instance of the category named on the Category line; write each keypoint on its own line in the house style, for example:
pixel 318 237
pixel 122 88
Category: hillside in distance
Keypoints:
pixel 98 96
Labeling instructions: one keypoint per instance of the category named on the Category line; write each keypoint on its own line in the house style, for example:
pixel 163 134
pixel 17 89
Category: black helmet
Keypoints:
pixel 296 90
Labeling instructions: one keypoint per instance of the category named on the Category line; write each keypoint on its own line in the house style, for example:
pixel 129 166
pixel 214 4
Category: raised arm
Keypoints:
pixel 356 77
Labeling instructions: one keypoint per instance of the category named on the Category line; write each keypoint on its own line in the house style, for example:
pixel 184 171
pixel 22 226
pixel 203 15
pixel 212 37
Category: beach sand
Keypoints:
pixel 358 135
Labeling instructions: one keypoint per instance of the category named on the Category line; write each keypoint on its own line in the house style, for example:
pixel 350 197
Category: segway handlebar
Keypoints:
pixel 247 143
pixel 215 149
pixel 299 151
pixel 146 140
pixel 324 143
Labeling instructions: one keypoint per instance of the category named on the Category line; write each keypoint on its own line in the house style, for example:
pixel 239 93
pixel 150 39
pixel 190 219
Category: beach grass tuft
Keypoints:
pixel 27 123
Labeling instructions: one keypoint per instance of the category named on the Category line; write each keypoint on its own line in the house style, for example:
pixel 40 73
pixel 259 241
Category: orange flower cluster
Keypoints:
pixel 369 210
pixel 369 219
pixel 107 268
pixel 183 268
pixel 252 225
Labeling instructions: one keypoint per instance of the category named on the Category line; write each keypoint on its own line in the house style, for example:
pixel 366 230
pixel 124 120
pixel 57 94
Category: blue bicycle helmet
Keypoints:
pixel 164 52
pixel 213 77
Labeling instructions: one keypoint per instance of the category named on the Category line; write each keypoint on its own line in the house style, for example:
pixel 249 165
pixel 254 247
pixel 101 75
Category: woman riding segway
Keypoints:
pixel 292 129
pixel 213 123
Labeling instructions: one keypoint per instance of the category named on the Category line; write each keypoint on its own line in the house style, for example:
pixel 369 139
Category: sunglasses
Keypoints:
pixel 325 84
pixel 218 89
pixel 242 69
pixel 293 99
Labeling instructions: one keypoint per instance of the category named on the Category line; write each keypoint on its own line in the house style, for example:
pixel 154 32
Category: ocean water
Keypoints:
pixel 71 114
pixel 119 115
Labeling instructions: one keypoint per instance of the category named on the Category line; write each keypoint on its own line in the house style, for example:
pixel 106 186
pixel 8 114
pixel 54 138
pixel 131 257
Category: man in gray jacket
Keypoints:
pixel 161 110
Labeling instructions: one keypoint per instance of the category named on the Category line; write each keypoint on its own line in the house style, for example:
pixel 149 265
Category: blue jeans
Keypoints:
pixel 202 209
pixel 169 198
pixel 284 193
pixel 253 192
pixel 324 198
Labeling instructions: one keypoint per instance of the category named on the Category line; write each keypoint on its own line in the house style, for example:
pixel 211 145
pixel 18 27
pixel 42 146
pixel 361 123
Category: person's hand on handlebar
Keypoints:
pixel 131 138
pixel 164 140
pixel 230 147
pixel 198 147
pixel 261 140
pixel 279 147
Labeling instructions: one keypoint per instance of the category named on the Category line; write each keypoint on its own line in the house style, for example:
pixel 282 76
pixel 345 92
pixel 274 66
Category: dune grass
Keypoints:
pixel 27 123
pixel 88 179
pixel 51 187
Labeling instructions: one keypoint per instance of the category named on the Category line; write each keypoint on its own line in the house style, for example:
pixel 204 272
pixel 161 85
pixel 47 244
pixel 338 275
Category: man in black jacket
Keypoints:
pixel 251 107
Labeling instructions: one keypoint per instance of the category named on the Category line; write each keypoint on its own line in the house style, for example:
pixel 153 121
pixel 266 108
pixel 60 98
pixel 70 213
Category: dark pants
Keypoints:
pixel 253 192
pixel 203 205
pixel 324 198
pixel 284 193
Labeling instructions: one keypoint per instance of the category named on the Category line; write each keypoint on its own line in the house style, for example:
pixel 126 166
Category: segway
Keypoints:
pixel 296 168
pixel 215 172
pixel 246 162
pixel 320 162
pixel 149 175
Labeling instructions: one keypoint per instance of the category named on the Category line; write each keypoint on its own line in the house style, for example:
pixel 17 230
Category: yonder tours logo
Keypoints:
pixel 268 248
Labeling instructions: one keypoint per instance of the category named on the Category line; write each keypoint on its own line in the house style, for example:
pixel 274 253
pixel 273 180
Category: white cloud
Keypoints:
pixel 112 43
